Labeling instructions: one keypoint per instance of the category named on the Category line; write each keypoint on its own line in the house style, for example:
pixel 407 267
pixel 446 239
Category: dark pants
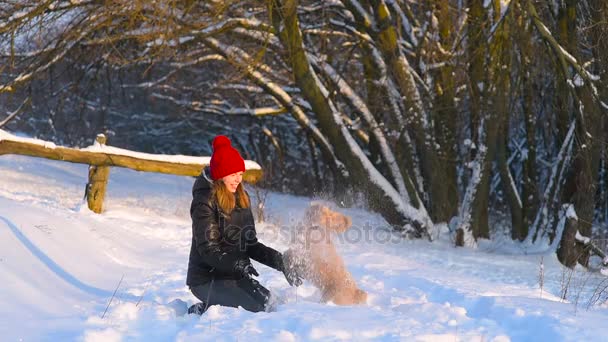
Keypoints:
pixel 246 293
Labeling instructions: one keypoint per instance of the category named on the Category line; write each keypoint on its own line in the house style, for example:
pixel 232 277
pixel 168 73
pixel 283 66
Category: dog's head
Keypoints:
pixel 324 217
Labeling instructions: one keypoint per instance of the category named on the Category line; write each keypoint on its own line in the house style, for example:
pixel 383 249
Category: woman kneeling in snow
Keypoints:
pixel 224 238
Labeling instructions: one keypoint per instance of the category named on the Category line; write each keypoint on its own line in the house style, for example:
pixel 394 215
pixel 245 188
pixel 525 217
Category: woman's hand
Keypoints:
pixel 245 269
pixel 293 278
pixel 290 268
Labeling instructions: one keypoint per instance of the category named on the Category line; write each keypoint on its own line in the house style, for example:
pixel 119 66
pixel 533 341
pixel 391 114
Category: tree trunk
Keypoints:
pixel 530 195
pixel 501 62
pixel 376 106
pixel 546 215
pixel 583 182
pixel 378 82
pixel 581 186
pixel 566 36
pixel 508 184
pixel 598 31
pixel 474 209
pixel 433 171
pixel 445 198
pixel 470 211
pixel 498 91
pixel 382 197
pixel 476 50
pixel 569 250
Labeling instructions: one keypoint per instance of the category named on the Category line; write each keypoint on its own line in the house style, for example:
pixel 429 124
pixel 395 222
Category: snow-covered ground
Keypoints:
pixel 69 274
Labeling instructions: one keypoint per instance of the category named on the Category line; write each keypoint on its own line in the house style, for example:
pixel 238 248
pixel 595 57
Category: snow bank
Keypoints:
pixel 61 264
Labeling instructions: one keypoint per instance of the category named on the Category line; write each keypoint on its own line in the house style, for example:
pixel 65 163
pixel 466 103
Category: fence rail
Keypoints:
pixel 100 157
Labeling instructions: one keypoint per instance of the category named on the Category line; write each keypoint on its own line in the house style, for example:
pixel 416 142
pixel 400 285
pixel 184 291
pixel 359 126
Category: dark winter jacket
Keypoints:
pixel 220 240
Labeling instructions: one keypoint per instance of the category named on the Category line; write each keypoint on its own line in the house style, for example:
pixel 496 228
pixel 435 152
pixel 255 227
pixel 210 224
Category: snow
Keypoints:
pixel 578 80
pixel 504 5
pixel 4 135
pixel 61 263
pixel 159 157
pixel 14 17
pixel 571 213
pixel 476 166
pixel 583 239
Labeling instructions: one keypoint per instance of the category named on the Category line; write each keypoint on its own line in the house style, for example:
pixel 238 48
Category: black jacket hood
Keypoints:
pixel 203 181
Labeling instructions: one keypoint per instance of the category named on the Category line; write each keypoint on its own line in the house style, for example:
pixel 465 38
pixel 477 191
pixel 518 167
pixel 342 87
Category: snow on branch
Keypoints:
pixel 405 20
pixel 320 32
pixel 361 35
pixel 582 239
pixel 158 36
pixel 466 209
pixel 358 10
pixel 241 60
pixel 361 107
pixel 19 15
pixel 562 54
pixel 232 23
pixel 543 216
pixel 178 67
pixel 262 111
pixel 198 106
pixel 63 50
pixel 505 5
pixel 418 215
pixel 262 37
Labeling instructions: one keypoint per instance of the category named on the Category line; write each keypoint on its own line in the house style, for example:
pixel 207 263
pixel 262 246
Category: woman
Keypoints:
pixel 224 238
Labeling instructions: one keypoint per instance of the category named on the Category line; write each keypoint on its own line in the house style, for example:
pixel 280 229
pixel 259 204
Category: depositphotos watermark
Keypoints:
pixel 307 236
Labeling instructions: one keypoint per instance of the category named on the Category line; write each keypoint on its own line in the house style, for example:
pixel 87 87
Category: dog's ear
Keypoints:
pixel 335 221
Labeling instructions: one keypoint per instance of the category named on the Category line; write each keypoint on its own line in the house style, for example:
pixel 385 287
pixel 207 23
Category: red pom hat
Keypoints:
pixel 225 159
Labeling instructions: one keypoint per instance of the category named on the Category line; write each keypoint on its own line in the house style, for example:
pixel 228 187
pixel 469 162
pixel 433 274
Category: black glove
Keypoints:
pixel 290 269
pixel 293 278
pixel 244 269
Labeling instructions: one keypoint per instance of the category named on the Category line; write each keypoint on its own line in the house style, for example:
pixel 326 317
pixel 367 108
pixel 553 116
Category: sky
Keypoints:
pixel 72 275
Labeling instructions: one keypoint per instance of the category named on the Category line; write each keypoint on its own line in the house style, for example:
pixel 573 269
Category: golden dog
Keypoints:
pixel 314 256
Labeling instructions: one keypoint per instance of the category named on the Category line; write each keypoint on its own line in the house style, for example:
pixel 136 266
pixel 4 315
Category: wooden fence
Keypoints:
pixel 101 157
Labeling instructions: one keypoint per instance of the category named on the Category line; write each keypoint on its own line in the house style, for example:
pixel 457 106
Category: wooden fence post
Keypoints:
pixel 98 179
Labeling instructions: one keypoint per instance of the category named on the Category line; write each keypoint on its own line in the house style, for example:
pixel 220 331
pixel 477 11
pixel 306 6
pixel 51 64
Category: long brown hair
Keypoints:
pixel 226 199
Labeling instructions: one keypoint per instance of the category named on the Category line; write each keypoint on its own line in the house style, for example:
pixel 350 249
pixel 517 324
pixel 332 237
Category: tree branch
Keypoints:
pixel 18 111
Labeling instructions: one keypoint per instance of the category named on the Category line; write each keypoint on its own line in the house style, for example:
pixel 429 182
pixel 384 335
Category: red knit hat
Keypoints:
pixel 225 159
